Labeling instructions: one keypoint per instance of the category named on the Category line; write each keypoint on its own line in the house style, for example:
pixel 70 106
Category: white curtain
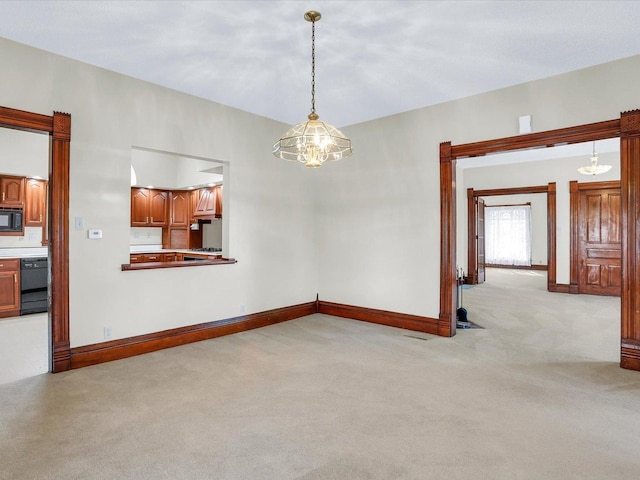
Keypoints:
pixel 508 235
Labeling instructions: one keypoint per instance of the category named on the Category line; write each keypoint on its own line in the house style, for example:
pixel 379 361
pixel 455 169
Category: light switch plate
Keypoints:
pixel 79 223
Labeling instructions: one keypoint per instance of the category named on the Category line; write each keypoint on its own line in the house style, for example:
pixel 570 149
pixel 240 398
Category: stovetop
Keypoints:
pixel 206 249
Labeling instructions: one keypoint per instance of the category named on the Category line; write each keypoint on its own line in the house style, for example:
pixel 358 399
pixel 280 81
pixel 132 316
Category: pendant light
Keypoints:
pixel 313 142
pixel 594 168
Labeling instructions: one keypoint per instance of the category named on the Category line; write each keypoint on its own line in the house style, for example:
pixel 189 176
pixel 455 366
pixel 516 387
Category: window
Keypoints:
pixel 508 235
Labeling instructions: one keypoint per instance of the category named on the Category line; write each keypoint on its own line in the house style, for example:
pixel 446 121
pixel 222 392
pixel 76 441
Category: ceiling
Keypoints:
pixel 373 58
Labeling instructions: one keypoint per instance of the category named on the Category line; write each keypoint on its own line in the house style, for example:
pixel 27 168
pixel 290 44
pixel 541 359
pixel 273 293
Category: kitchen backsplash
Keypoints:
pixel 32 238
pixel 146 236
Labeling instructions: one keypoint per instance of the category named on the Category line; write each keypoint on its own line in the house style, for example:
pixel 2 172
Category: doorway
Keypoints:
pixel 58 127
pixel 627 128
pixel 473 230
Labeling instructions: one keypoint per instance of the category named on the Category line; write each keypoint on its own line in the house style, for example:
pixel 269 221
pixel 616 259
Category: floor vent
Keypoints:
pixel 418 338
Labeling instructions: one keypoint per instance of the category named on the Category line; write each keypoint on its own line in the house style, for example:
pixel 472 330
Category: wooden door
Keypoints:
pixel 600 235
pixel 480 250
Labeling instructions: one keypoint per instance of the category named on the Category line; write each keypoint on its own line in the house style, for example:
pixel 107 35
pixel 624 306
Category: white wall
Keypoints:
pixel 378 213
pixel 270 230
pixel 24 153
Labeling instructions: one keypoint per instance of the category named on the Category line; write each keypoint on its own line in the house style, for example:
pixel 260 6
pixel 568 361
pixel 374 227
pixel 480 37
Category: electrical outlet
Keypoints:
pixel 242 309
pixel 108 332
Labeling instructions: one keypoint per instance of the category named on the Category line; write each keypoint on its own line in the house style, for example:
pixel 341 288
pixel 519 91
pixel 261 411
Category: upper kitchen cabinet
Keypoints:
pixel 149 208
pixel 179 211
pixel 209 203
pixel 12 189
pixel 35 205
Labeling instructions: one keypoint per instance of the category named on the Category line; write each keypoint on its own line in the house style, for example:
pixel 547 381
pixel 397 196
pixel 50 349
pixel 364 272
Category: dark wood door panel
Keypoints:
pixel 599 218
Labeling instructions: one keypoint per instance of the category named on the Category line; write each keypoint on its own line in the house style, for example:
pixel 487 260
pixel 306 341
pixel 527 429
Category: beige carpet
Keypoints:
pixel 537 394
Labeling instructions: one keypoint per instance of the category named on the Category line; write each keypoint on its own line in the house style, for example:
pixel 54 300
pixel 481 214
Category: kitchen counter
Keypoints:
pixel 137 250
pixel 23 252
pixel 155 251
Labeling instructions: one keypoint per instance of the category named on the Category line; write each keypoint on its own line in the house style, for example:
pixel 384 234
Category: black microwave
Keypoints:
pixel 10 221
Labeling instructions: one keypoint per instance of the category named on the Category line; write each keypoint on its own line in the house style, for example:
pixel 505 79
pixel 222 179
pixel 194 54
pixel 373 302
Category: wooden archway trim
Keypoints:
pixel 550 190
pixel 58 127
pixel 627 127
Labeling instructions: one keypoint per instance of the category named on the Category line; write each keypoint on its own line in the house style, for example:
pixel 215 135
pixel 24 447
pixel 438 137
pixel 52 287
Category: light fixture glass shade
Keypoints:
pixel 313 142
pixel 594 168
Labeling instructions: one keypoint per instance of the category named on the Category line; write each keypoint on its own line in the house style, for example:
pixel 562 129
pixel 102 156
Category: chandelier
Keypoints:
pixel 313 142
pixel 594 168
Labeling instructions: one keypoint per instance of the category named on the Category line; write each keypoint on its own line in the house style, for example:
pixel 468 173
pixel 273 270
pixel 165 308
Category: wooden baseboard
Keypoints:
pixel 519 267
pixel 128 347
pixel 382 317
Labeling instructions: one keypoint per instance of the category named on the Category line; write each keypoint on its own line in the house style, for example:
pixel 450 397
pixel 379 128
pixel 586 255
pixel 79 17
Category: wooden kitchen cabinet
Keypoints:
pixel 9 287
pixel 35 203
pixel 12 191
pixel 149 208
pixel 150 257
pixel 209 203
pixel 179 212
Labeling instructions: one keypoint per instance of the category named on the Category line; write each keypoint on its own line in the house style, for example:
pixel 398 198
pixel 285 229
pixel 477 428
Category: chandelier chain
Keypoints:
pixel 313 66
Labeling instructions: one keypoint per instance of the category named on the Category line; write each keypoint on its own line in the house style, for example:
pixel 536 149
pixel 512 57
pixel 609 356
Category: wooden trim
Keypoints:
pixel 597 185
pixel 552 232
pixel 131 346
pixel 472 234
pixel 154 265
pixel 574 273
pixel 511 191
pixel 560 288
pixel 12 118
pixel 627 127
pixel 520 267
pixel 630 354
pixel 59 127
pixel 59 240
pixel 550 138
pixel 630 199
pixel 448 281
pixel 381 317
pixel 527 204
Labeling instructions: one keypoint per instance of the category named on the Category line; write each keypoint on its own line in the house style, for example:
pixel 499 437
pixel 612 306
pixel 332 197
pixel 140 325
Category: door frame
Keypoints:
pixel 58 127
pixel 627 128
pixel 575 188
pixel 550 190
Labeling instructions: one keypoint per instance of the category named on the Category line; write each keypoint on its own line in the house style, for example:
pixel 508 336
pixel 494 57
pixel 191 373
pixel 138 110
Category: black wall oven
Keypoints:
pixel 33 285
